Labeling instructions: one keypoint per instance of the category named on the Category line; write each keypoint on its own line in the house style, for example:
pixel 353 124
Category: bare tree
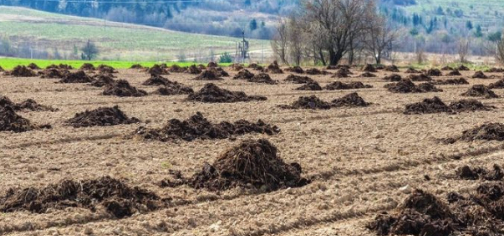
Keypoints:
pixel 295 39
pixel 500 51
pixel 280 41
pixel 341 22
pixel 89 51
pixel 380 39
pixel 463 49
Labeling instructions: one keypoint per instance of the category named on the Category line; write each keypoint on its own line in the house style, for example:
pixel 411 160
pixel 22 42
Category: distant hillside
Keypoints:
pixel 30 33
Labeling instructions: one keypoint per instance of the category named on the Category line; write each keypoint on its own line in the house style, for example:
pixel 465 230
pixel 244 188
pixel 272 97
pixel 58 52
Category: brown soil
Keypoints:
pixel 33 66
pixel 406 86
pixel 420 77
pixel 420 214
pixel 102 80
pixel 244 74
pixel 463 68
pixel 448 68
pixel 299 79
pixel 157 70
pixel 76 77
pixel 193 70
pixel 490 131
pixel 468 173
pixel 368 74
pixel 480 90
pixel 252 65
pixel 210 93
pixel 198 127
pixel 174 89
pixel 251 164
pixel 28 104
pixel 220 72
pixel 451 81
pixel 296 69
pixel 106 69
pixel 262 78
pixel 380 67
pixel 114 195
pixel 237 67
pixel 412 71
pixel 274 68
pixel 479 75
pixel 342 72
pixel 22 71
pixel 156 80
pixel 497 85
pixel 177 69
pixel 392 77
pixel 469 105
pixel 201 67
pixel 210 74
pixel 137 66
pixel 315 71
pixel 313 86
pixel 434 72
pixel 10 121
pixel 350 100
pixel 122 88
pixel 212 64
pixel 1 69
pixel 53 73
pixel 427 106
pixel 311 102
pixel 103 116
pixel 495 70
pixel 369 68
pixel 341 86
pixel 87 66
pixel 454 73
pixel 391 68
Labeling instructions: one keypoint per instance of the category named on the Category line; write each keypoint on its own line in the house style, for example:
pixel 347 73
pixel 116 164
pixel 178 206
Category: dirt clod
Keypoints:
pixel 469 105
pixel 342 72
pixel 296 69
pixel 454 73
pixel 211 93
pixel 102 80
pixel 76 77
pixel 156 80
pixel 299 79
pixel 451 81
pixel 468 173
pixel 393 78
pixel 420 77
pixel 244 74
pixel 406 86
pixel 447 68
pixel 427 106
pixel 262 78
pixel 177 69
pixel 495 70
pixel 33 66
pixel 497 85
pixel 391 68
pixel 479 75
pixel 412 71
pixel 369 68
pixel 137 66
pixel 434 72
pixel 251 164
pixel 10 121
pixel 350 100
pixel 315 71
pixel 122 88
pixel 193 70
pixel 274 68
pixel 117 197
pixel 209 74
pixel 198 127
pixel 341 86
pixel 490 131
pixel 22 71
pixel 480 90
pixel 368 74
pixel 313 86
pixel 463 68
pixel 28 104
pixel 104 69
pixel 103 116
pixel 311 102
pixel 157 70
pixel 88 67
pixel 53 73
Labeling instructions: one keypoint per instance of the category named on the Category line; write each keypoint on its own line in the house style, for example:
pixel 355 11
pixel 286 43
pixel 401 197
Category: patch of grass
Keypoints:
pixel 10 63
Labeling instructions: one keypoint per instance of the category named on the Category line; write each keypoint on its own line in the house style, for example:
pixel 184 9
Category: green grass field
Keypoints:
pixel 10 63
pixel 116 41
